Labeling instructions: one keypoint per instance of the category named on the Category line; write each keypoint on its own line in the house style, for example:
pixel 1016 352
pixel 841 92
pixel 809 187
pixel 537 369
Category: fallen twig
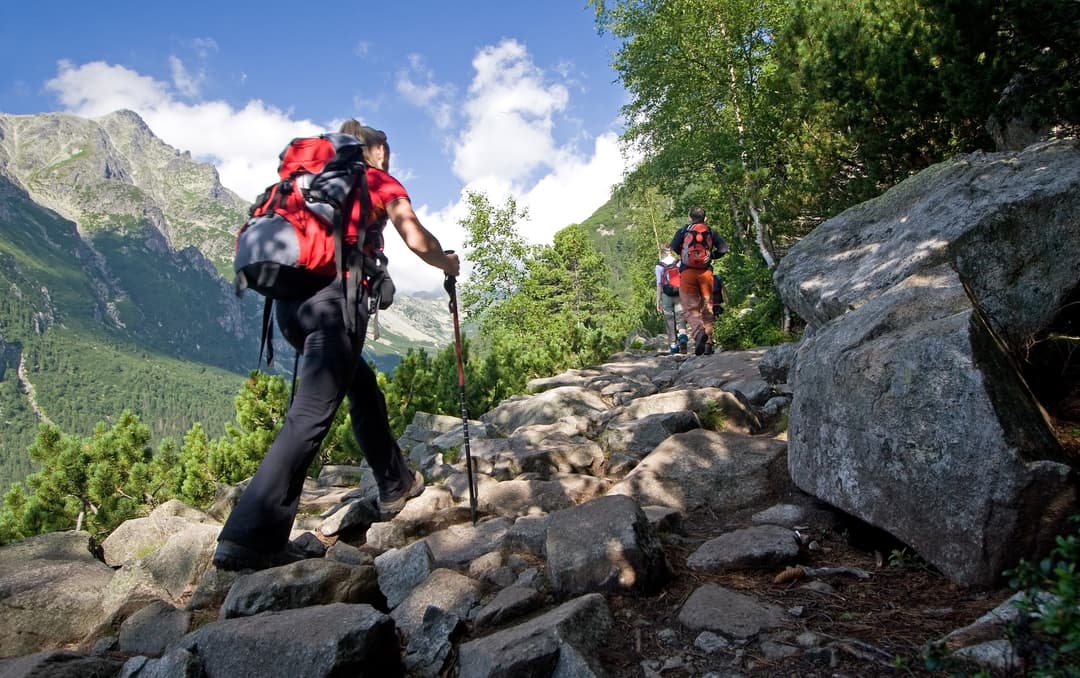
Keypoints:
pixel 791 574
pixel 863 651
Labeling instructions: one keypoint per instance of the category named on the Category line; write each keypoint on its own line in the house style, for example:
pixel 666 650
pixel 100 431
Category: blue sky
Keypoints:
pixel 512 97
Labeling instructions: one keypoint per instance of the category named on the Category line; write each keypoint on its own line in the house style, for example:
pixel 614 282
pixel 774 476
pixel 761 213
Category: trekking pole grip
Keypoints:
pixel 450 283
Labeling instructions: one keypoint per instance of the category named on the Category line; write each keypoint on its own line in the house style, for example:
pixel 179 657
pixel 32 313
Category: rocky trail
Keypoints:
pixel 635 519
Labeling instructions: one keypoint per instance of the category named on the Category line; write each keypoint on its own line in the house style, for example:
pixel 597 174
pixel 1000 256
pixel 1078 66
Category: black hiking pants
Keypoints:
pixel 331 367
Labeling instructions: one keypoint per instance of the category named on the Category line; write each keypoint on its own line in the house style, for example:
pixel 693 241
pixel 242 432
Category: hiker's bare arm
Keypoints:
pixel 419 239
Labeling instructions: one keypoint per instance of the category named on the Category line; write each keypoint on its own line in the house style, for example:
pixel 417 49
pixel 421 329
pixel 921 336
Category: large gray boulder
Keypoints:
pixel 138 537
pixel 51 589
pixel 325 640
pixel 722 471
pixel 1009 223
pixel 545 408
pixel 562 642
pixel 605 545
pixel 909 411
pixel 315 581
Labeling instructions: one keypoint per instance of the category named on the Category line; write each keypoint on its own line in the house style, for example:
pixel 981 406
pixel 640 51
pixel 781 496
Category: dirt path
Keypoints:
pixel 28 389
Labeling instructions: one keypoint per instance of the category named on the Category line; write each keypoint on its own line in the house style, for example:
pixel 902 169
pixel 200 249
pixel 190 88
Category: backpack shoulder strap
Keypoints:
pixel 266 339
pixel 350 263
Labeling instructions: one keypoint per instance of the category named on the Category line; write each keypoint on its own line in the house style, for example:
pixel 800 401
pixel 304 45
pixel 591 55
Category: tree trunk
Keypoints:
pixel 740 126
pixel 759 230
pixel 736 216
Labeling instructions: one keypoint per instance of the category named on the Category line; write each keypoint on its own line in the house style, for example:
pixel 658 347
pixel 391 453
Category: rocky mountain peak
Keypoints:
pixel 113 173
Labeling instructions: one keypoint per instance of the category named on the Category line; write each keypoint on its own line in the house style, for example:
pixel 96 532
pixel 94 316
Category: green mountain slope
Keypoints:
pixel 612 229
pixel 66 352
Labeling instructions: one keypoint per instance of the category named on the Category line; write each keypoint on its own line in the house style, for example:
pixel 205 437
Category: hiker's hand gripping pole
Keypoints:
pixel 450 284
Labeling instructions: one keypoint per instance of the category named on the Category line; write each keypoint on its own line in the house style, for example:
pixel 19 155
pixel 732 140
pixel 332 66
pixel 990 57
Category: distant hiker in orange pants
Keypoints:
pixel 697 246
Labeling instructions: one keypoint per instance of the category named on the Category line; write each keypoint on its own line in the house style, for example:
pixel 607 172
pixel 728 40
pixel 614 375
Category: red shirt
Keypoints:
pixel 384 189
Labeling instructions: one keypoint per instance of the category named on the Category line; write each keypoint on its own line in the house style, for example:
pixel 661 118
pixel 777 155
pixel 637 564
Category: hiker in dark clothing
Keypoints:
pixel 256 534
pixel 719 296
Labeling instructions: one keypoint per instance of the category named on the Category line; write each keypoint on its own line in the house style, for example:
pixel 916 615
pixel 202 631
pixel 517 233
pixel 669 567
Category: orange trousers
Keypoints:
pixel 695 294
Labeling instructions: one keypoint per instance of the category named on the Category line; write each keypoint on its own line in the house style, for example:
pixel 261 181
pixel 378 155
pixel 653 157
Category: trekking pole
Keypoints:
pixel 450 284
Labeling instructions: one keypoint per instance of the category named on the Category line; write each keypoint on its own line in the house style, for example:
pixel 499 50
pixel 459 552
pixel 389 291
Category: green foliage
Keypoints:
pixel 260 413
pixel 100 330
pixel 94 483
pixel 113 475
pixel 1009 58
pixel 904 558
pixel 451 455
pixel 421 383
pixel 191 478
pixel 714 418
pixel 628 232
pixel 193 472
pixel 1047 634
pixel 495 251
pixel 753 313
pixel 749 326
pixel 553 308
pixel 564 314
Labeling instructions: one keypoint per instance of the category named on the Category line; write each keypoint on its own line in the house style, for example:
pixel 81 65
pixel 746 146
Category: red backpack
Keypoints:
pixel 697 246
pixel 669 278
pixel 293 243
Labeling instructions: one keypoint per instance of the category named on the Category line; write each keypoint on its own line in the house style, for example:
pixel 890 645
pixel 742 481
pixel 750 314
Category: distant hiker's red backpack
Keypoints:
pixel 697 246
pixel 669 278
pixel 293 244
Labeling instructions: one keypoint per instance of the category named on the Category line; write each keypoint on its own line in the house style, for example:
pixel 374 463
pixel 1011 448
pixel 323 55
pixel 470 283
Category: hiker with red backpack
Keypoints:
pixel 322 310
pixel 697 246
pixel 667 300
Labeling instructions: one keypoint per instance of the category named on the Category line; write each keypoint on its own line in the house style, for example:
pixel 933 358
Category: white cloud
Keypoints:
pixel 186 83
pixel 574 189
pixel 244 143
pixel 510 117
pixel 507 147
pixel 98 88
pixel 203 46
pixel 417 85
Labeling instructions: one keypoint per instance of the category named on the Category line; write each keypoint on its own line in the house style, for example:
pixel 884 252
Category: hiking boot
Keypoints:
pixel 674 349
pixel 683 341
pixel 700 344
pixel 391 507
pixel 235 557
pixel 709 348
